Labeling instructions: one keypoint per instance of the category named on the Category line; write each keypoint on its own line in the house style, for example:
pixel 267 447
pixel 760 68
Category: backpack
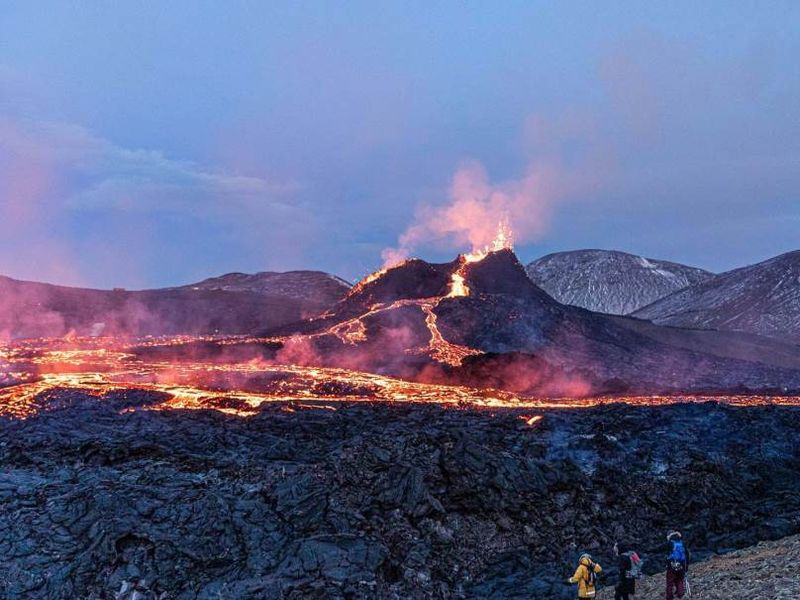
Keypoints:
pixel 635 572
pixel 591 578
pixel 677 559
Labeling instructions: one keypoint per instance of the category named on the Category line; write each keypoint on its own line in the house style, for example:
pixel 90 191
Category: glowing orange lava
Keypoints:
pixel 202 384
pixel 440 348
pixel 458 286
pixel 502 241
pixel 98 366
pixel 353 331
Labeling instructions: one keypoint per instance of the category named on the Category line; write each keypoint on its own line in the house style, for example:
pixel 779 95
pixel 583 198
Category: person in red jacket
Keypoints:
pixel 677 565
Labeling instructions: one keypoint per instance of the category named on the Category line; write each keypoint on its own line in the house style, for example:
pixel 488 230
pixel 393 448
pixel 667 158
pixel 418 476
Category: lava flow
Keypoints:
pixel 353 331
pixel 97 366
pixel 34 372
pixel 503 241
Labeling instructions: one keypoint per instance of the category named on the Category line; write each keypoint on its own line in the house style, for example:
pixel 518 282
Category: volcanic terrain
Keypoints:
pixel 442 431
pixel 483 322
pixel 118 494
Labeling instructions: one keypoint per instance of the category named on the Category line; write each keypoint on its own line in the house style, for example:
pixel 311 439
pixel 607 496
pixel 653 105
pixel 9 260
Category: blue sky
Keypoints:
pixel 146 144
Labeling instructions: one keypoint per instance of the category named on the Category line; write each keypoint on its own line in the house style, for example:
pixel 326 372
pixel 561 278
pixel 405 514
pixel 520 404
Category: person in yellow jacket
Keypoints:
pixel 586 576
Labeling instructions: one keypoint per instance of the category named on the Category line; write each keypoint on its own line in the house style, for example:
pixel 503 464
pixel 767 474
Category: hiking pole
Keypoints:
pixel 688 586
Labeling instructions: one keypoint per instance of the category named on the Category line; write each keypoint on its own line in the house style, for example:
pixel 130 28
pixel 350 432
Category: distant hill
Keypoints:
pixel 300 285
pixel 763 298
pixel 610 281
pixel 230 304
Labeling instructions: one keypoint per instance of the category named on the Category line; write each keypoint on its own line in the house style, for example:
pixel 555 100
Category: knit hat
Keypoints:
pixel 673 535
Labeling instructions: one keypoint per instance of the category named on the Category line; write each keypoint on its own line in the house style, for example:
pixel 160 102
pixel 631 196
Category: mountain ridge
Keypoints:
pixel 34 309
pixel 275 282
pixel 610 281
pixel 762 298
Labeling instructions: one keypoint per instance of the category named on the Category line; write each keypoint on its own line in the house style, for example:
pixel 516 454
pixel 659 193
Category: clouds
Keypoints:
pixel 675 150
pixel 108 176
pixel 269 137
pixel 62 184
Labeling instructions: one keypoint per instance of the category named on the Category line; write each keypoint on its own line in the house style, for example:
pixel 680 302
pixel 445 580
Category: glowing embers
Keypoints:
pixel 531 421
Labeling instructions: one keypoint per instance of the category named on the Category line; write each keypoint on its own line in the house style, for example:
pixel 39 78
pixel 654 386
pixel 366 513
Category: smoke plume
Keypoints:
pixel 567 159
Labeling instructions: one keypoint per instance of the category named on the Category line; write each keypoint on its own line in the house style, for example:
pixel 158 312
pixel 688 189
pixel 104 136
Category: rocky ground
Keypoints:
pixel 766 571
pixel 105 499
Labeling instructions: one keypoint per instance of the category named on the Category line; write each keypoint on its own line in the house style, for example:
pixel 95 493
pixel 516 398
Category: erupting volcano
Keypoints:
pixel 473 331
pixel 411 436
pixel 480 321
pixel 204 395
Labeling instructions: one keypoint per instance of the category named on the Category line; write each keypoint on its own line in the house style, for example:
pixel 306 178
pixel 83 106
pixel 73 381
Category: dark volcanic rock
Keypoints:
pixel 319 287
pixel 373 501
pixel 501 273
pixel 412 279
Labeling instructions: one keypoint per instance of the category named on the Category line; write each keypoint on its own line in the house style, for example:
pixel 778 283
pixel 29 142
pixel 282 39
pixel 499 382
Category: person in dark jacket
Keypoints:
pixel 626 585
pixel 677 565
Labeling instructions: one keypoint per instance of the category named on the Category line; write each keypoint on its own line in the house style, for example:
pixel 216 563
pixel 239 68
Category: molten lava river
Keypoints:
pixel 30 369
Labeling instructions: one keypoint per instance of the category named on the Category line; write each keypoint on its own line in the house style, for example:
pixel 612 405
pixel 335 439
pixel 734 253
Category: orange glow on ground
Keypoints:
pixel 97 366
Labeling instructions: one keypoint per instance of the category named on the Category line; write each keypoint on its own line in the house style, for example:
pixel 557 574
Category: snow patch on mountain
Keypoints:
pixel 610 281
pixel 763 298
